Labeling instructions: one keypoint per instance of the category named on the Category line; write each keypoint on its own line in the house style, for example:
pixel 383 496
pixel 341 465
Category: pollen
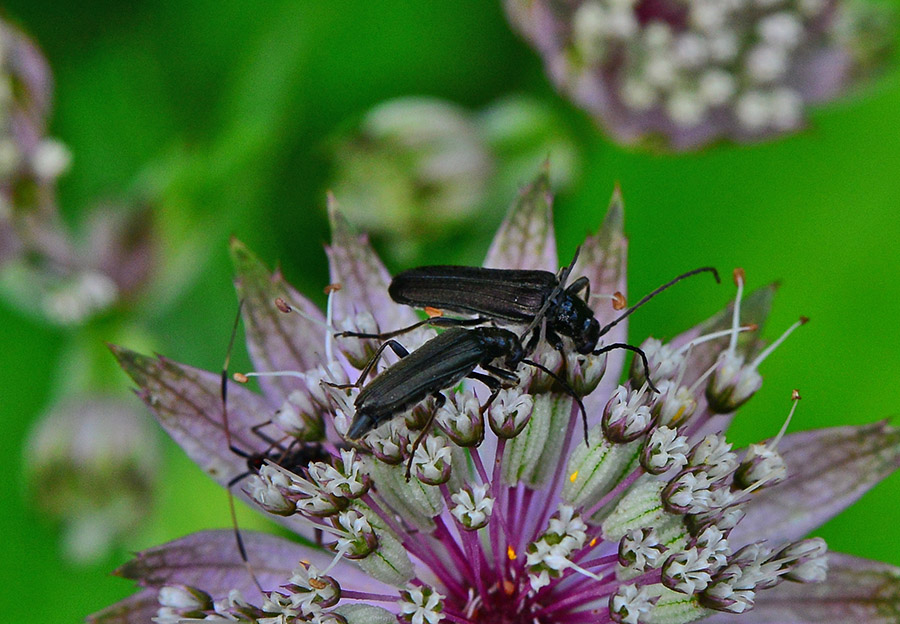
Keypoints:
pixel 511 553
pixel 573 476
pixel 509 588
pixel 433 312
pixel 593 542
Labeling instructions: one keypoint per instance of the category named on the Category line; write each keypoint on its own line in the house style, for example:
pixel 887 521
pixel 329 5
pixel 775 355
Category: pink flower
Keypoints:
pixel 658 519
pixel 684 73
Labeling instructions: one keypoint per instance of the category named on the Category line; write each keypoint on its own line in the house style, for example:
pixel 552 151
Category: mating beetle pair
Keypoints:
pixel 539 299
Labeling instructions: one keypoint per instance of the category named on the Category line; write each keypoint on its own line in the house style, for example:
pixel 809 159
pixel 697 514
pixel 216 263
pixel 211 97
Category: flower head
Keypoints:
pixel 520 521
pixel 688 72
pixel 44 268
pixel 93 465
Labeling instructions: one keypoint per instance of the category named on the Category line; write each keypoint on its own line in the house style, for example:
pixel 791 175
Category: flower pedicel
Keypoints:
pixel 658 520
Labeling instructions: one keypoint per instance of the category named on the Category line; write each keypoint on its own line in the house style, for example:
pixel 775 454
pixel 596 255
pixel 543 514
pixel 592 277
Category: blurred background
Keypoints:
pixel 230 117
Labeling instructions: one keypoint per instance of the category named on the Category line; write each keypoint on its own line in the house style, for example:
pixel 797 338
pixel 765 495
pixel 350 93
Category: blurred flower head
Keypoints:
pixel 92 464
pixel 683 73
pixel 44 268
pixel 413 164
pixel 656 519
pixel 418 169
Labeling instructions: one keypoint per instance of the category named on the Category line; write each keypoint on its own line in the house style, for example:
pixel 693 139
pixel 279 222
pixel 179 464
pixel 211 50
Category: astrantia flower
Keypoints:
pixel 687 72
pixel 44 268
pixel 654 522
pixel 92 464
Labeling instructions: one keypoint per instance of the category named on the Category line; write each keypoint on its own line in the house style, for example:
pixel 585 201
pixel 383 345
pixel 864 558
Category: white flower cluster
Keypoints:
pixel 730 57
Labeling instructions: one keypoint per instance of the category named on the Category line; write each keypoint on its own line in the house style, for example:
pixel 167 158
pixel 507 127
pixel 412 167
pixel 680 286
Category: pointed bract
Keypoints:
pixel 829 470
pixel 187 403
pixel 138 608
pixel 363 278
pixel 210 559
pixel 603 259
pixel 276 340
pixel 525 239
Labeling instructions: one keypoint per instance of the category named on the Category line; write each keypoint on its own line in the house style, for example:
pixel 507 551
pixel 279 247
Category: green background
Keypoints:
pixel 232 103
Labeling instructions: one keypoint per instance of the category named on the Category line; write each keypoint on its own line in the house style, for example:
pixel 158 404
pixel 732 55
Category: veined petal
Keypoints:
pixel 603 260
pixel 276 341
pixel 363 278
pixel 187 403
pixel 525 239
pixel 856 590
pixel 138 608
pixel 828 470
pixel 210 560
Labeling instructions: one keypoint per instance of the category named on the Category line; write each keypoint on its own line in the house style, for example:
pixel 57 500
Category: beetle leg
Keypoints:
pixel 399 350
pixel 435 321
pixel 491 382
pixel 440 399
pixel 502 373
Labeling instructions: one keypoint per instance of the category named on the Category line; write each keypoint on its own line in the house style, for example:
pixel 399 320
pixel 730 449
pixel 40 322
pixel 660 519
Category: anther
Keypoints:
pixel 283 306
pixel 240 378
pixel 618 301
pixel 331 288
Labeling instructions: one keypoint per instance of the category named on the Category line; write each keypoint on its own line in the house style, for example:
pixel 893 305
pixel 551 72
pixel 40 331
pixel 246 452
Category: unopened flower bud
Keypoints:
pixel 731 384
pixel 461 420
pixel 584 372
pixel 762 466
pixel 433 463
pixel 626 416
pixel 271 491
pixel 510 412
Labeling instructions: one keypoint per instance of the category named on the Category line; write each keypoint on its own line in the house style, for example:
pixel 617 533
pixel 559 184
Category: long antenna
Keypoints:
pixel 650 296
pixel 242 550
pixel 224 387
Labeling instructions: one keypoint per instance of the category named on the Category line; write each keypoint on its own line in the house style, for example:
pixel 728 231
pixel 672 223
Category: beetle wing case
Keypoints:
pixel 510 295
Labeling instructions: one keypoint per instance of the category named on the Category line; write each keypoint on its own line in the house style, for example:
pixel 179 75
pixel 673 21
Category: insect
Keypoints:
pixel 440 363
pixel 516 296
pixel 294 456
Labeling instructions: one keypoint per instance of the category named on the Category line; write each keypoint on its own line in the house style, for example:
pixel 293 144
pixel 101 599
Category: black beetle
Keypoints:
pixel 440 363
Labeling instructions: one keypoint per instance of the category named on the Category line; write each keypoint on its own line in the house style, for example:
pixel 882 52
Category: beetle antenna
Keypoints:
pixel 655 292
pixel 224 392
pixel 224 387
pixel 569 390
